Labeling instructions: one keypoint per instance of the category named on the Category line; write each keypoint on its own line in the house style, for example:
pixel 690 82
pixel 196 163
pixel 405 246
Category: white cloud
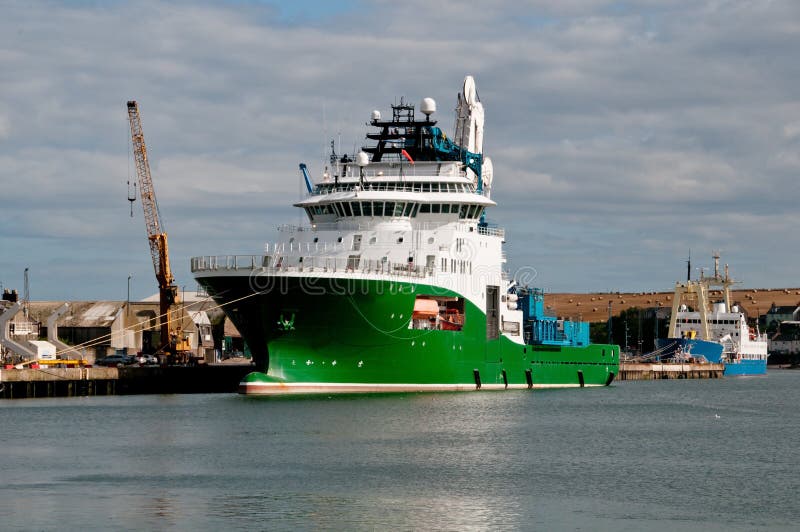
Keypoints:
pixel 620 137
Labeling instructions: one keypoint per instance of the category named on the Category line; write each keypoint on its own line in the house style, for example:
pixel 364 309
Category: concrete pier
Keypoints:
pixel 71 382
pixel 636 371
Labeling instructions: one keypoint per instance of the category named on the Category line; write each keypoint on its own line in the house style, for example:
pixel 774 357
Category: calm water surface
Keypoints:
pixel 668 455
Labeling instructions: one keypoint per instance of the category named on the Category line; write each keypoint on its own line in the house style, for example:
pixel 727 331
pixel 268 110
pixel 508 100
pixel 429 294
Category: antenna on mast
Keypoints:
pixel 26 293
pixel 334 163
pixel 689 266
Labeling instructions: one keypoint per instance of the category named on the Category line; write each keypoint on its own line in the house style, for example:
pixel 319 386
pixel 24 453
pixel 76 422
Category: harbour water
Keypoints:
pixel 660 455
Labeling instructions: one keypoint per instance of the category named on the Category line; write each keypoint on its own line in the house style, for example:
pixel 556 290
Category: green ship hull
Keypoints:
pixel 324 335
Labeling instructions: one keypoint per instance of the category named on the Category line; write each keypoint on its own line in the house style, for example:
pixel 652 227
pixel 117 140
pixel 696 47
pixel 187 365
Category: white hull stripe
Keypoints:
pixel 274 388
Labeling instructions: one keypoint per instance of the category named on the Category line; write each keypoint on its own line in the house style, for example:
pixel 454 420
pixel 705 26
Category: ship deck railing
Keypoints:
pixel 378 174
pixel 274 264
pixel 491 231
pixel 372 226
pixel 388 186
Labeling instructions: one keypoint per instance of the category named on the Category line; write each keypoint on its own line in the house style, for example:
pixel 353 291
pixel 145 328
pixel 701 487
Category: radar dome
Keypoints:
pixel 376 115
pixel 470 94
pixel 428 106
pixel 487 172
pixel 362 159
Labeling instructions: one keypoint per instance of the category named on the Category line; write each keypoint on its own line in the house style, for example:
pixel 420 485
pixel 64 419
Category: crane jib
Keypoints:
pixel 157 238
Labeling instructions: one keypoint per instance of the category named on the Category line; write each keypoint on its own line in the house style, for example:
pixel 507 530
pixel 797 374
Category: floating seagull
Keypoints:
pixel 716 416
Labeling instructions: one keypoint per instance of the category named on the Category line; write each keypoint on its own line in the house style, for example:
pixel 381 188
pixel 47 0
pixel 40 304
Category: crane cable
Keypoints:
pixel 142 326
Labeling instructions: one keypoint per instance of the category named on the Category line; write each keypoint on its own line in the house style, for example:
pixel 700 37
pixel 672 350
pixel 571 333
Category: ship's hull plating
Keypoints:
pixel 328 335
pixel 711 351
pixel 689 347
pixel 746 366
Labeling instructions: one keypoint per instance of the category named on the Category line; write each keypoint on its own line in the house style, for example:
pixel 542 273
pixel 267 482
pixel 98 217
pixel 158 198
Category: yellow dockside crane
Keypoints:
pixel 172 341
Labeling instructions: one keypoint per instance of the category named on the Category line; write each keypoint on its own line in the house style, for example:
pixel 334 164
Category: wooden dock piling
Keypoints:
pixel 73 382
pixel 635 371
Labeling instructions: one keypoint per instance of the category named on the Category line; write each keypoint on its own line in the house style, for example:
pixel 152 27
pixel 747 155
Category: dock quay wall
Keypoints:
pixel 72 382
pixel 637 371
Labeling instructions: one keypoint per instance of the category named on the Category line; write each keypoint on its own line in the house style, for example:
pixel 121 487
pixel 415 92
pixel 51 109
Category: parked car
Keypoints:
pixel 115 361
pixel 146 360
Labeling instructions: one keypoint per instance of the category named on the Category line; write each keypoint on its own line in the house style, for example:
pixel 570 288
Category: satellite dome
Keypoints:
pixel 362 159
pixel 487 172
pixel 470 94
pixel 376 115
pixel 428 106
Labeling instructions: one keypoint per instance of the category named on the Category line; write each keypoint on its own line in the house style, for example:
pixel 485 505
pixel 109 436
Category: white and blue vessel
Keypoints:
pixel 717 332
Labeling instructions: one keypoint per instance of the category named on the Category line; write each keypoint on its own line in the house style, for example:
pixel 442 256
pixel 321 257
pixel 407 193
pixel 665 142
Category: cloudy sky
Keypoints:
pixel 623 134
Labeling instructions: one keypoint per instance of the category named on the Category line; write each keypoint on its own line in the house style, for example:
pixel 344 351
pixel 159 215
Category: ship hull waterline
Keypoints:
pixel 339 335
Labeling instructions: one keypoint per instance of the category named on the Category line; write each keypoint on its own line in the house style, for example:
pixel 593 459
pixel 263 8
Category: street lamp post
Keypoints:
pixel 128 300
pixel 655 327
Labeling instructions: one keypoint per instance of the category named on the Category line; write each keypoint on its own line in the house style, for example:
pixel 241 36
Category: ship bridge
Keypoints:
pixel 402 201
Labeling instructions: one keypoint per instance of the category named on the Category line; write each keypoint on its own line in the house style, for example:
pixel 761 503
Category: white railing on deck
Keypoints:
pixel 461 188
pixel 300 263
pixel 371 226
pixel 491 231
